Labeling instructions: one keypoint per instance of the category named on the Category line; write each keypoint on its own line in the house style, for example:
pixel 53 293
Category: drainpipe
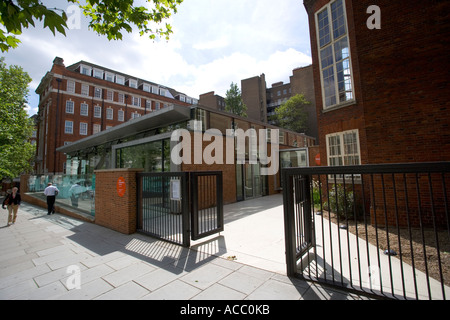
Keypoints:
pixel 56 125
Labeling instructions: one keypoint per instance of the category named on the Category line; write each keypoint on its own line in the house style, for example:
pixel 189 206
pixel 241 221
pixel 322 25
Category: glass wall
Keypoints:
pixel 293 158
pixel 152 157
pixel 75 191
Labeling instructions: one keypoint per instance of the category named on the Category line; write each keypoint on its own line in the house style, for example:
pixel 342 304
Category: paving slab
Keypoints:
pixel 58 257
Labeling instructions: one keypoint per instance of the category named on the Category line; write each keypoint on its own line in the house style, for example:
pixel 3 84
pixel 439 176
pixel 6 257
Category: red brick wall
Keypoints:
pixel 405 72
pixel 401 78
pixel 111 210
pixel 400 74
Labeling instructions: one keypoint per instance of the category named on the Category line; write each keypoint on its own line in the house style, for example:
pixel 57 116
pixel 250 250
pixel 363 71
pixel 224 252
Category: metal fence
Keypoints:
pixel 180 206
pixel 380 229
pixel 162 199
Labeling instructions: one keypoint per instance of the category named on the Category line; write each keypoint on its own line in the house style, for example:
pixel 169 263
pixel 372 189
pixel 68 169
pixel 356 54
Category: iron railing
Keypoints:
pixel 180 206
pixel 163 200
pixel 380 229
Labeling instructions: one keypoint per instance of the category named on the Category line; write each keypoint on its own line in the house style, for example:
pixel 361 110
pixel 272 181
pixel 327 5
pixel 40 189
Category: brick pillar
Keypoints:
pixel 116 199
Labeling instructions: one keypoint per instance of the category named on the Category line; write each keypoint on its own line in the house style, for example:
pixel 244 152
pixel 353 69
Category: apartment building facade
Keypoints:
pixel 261 101
pixel 381 78
pixel 83 99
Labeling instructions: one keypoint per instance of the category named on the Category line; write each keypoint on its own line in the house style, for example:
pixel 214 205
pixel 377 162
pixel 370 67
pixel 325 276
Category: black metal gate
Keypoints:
pixel 379 229
pixel 180 206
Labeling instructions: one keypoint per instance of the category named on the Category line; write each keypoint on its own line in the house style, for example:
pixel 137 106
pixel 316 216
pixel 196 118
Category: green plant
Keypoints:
pixel 341 201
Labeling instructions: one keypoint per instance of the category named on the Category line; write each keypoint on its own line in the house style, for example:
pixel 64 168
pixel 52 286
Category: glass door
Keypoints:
pixel 248 186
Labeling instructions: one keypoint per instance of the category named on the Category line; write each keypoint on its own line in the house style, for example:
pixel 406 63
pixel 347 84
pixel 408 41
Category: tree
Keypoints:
pixel 233 101
pixel 292 115
pixel 16 128
pixel 106 17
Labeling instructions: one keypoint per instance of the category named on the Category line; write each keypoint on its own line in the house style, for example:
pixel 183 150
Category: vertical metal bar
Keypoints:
pixel 419 203
pixel 398 235
pixel 186 216
pixel 355 217
pixel 411 246
pixel 219 182
pixel 307 217
pixel 289 223
pixel 365 222
pixel 323 229
pixel 330 231
pixel 376 232
pixel 386 225
pixel 338 229
pixel 433 213
pixel 348 236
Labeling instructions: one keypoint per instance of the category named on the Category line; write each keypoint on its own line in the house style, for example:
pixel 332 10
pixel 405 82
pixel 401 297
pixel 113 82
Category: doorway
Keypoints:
pixel 249 182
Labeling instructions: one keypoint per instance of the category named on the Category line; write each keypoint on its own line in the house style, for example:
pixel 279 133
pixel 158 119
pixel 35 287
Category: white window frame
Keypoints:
pixel 86 70
pixel 83 128
pixel 84 109
pixel 109 95
pixel 70 107
pixel 135 115
pixel 68 127
pixel 98 73
pixel 109 114
pixel 331 44
pixel 146 87
pixel 121 97
pixel 340 151
pixel 84 89
pixel 136 101
pixel 132 83
pixel 120 80
pixel 98 93
pixel 120 115
pixel 70 86
pixel 96 128
pixel 109 76
pixel 148 105
pixel 97 111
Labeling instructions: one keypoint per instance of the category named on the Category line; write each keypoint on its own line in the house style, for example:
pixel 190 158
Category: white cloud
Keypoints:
pixel 214 43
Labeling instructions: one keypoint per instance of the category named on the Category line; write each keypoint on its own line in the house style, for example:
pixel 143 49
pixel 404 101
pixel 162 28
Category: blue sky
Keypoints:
pixel 215 42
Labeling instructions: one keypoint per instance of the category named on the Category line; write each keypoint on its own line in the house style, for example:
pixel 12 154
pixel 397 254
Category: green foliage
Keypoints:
pixel 16 152
pixel 341 201
pixel 291 115
pixel 233 101
pixel 107 17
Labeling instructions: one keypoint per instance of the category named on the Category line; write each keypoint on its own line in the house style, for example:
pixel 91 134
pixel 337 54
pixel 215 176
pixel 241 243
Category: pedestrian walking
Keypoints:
pixel 51 192
pixel 12 203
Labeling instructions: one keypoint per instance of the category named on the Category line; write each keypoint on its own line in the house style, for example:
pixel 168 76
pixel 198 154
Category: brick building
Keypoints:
pixel 382 95
pixel 146 143
pixel 82 99
pixel 262 101
pixel 381 78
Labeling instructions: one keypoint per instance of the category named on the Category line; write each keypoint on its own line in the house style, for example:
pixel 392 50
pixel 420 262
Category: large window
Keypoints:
pixel 70 107
pixel 343 148
pixel 152 157
pixel 68 127
pixel 334 55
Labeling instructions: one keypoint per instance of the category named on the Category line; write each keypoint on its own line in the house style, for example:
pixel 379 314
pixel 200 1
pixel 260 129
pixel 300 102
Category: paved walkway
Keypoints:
pixel 58 257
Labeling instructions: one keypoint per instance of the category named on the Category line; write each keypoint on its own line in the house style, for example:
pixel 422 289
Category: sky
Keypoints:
pixel 214 43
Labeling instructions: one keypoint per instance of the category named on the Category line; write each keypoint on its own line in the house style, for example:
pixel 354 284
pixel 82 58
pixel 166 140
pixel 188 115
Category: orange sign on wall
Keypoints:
pixel 317 158
pixel 121 186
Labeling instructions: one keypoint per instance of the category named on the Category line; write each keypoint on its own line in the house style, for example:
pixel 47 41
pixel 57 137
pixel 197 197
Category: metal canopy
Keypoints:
pixel 164 117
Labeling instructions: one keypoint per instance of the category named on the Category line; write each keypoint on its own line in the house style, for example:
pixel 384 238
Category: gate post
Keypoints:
pixel 115 199
pixel 289 223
